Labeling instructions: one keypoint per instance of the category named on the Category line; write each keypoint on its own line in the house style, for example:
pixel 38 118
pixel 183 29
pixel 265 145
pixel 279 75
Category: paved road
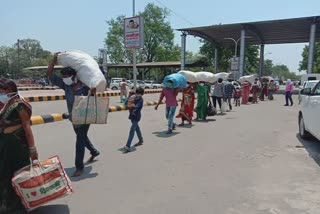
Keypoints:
pixel 249 161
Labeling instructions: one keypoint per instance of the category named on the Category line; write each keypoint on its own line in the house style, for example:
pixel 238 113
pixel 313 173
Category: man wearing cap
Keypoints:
pixel 74 87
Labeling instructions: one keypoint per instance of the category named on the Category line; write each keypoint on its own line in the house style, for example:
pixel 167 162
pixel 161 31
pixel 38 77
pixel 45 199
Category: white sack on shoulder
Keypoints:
pixel 87 68
pixel 222 75
pixel 249 78
pixel 190 76
pixel 204 76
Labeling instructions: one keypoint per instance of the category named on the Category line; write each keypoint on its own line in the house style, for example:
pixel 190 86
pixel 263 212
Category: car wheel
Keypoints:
pixel 114 88
pixel 147 87
pixel 303 133
pixel 154 87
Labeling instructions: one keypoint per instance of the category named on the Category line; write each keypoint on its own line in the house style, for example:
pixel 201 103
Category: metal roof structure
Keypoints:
pixel 296 30
pixel 169 64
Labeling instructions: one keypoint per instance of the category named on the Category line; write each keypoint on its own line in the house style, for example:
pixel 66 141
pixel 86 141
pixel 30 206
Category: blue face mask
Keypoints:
pixel 4 98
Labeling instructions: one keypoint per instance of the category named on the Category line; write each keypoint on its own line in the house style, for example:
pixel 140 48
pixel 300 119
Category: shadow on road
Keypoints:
pixel 313 148
pixel 165 135
pixel 188 126
pixel 52 209
pixel 204 121
pixel 86 173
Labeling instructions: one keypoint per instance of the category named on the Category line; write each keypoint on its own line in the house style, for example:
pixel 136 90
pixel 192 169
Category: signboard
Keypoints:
pixel 235 63
pixel 133 32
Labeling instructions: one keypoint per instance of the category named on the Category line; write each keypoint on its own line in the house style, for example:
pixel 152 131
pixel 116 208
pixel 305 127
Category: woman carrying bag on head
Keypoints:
pixel 187 105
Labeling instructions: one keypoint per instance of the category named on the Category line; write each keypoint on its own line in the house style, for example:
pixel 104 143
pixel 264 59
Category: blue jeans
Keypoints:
pixel 170 112
pixel 134 128
pixel 82 143
pixel 270 94
pixel 289 97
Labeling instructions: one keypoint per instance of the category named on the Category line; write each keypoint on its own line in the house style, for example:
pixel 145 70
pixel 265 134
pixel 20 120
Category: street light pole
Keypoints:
pixel 236 44
pixel 134 53
pixel 16 74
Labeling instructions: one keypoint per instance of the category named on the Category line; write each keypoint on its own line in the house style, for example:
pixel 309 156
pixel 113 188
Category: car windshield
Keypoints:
pixel 310 84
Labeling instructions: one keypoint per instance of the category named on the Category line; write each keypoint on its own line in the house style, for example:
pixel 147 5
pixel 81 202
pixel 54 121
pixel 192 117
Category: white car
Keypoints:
pixel 309 114
pixel 307 84
pixel 115 84
pixel 150 84
pixel 140 83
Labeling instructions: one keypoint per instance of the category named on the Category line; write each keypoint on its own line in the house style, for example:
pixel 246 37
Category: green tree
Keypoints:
pixel 226 53
pixel 14 59
pixel 252 59
pixel 283 72
pixel 303 66
pixel 115 42
pixel 158 38
pixel 268 68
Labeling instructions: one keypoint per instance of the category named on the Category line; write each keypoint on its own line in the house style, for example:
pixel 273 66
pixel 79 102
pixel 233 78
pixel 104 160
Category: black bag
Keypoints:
pixel 211 111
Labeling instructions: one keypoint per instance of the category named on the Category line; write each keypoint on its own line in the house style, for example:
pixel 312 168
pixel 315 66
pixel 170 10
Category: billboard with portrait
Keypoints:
pixel 133 32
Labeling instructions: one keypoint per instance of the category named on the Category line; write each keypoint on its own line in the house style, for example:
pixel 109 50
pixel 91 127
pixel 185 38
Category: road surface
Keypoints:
pixel 249 161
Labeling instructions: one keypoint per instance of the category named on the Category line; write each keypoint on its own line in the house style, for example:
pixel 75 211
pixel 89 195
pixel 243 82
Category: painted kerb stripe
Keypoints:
pixel 36 120
pixel 62 97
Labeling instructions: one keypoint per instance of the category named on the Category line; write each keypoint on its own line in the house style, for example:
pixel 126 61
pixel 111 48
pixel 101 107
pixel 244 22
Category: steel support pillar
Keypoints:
pixel 242 52
pixel 312 43
pixel 261 63
pixel 183 50
pixel 216 60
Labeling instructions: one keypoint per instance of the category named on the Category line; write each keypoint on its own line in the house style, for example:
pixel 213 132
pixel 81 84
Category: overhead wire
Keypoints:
pixel 172 11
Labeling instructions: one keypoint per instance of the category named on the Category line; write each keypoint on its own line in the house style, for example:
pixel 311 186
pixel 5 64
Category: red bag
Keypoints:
pixel 41 182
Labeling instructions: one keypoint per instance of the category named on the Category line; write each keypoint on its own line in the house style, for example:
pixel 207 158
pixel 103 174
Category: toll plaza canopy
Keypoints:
pixel 295 30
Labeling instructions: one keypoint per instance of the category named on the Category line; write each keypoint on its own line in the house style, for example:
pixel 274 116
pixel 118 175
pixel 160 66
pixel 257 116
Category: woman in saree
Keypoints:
pixel 16 143
pixel 203 100
pixel 187 105
pixel 245 92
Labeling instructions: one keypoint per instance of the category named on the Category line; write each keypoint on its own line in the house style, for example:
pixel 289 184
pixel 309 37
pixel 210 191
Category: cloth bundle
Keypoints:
pixel 179 81
pixel 190 76
pixel 87 68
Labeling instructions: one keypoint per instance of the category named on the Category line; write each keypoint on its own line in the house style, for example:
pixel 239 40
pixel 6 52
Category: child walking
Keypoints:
pixel 237 96
pixel 135 116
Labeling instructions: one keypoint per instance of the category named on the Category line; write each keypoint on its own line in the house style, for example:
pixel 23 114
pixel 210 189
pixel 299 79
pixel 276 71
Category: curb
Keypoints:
pixel 36 120
pixel 38 88
pixel 42 119
pixel 283 92
pixel 62 97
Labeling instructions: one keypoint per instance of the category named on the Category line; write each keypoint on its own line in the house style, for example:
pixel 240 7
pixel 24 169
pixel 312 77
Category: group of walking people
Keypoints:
pixel 209 98
pixel 17 146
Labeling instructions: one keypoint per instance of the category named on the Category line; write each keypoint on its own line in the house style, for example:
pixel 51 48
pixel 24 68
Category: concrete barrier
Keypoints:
pixel 62 97
pixel 36 120
pixel 42 119
pixel 36 88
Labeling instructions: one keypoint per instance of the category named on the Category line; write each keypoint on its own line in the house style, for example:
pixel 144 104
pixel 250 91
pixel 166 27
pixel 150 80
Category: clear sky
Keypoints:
pixel 80 24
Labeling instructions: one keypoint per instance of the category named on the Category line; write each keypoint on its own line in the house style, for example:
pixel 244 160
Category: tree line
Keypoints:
pixel 24 53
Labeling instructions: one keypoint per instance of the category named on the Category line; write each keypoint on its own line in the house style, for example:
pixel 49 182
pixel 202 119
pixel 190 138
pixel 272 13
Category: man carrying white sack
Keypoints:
pixel 74 87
